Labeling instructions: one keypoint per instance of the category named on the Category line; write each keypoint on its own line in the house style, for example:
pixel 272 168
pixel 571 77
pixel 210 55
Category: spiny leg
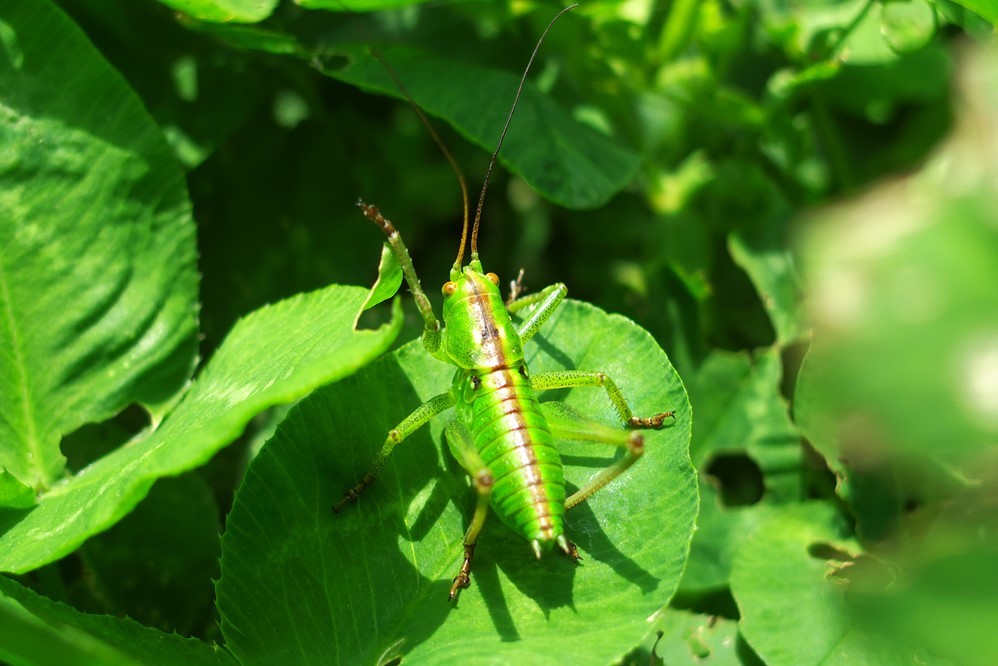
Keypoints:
pixel 566 423
pixel 409 425
pixel 463 448
pixel 580 378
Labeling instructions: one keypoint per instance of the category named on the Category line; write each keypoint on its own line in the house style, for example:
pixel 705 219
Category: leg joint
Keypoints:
pixel 484 481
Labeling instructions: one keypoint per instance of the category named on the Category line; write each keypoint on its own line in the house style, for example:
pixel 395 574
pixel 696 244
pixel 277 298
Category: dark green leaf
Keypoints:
pixel 567 162
pixel 156 565
pixel 740 410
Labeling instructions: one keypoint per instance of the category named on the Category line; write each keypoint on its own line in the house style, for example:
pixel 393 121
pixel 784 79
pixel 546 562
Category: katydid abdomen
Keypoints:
pixel 496 404
pixel 515 443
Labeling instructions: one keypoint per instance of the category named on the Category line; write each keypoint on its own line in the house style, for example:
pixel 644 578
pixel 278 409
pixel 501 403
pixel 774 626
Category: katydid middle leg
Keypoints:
pixel 463 448
pixel 409 425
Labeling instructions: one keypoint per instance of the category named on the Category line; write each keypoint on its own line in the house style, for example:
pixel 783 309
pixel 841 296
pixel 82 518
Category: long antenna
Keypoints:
pixel 376 52
pixel 492 162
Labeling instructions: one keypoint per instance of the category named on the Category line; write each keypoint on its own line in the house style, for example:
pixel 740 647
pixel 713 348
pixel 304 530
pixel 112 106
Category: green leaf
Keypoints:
pixel 567 162
pixel 371 583
pixel 681 637
pixel 762 252
pixel 740 410
pixel 790 580
pixel 389 279
pixel 748 453
pixel 13 493
pixel 236 11
pixel 721 530
pixel 98 284
pixel 907 26
pixel 942 593
pixel 275 355
pixel 37 630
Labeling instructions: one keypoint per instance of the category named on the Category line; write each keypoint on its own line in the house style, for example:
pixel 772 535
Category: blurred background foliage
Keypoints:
pixel 798 200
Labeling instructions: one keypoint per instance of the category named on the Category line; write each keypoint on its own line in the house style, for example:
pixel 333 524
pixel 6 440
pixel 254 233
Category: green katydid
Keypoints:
pixel 501 436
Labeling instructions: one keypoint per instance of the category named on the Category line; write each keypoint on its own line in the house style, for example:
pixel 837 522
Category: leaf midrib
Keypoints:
pixel 23 383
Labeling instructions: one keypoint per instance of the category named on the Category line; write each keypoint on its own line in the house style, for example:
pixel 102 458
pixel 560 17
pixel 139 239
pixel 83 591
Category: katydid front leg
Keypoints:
pixel 431 325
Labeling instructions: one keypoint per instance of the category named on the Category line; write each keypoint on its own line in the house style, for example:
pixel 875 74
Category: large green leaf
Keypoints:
pixel 98 285
pixel 275 355
pixel 36 630
pixel 790 580
pixel 300 583
pixel 565 161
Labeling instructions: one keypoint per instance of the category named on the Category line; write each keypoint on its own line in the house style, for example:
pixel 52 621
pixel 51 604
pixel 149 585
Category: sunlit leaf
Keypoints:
pixel 372 582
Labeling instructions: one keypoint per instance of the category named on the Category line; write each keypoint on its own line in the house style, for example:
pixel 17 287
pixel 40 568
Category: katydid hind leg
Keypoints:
pixel 566 423
pixel 463 448
pixel 410 424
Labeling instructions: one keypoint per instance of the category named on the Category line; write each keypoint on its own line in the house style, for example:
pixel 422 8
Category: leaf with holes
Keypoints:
pixel 795 571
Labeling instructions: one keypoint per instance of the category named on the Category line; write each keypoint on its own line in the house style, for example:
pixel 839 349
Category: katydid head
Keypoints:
pixel 478 331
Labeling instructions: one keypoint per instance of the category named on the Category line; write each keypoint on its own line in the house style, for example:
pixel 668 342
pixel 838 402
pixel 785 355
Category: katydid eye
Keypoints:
pixel 493 278
pixel 449 288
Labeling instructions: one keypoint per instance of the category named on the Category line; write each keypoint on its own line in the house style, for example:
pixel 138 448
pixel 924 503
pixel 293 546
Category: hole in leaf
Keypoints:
pixel 717 602
pixel 860 573
pixel 738 479
pixel 826 551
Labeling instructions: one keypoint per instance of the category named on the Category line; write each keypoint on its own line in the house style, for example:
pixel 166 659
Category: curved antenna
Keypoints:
pixel 492 162
pixel 376 52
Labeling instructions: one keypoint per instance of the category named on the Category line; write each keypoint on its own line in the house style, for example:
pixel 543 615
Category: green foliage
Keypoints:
pixel 794 200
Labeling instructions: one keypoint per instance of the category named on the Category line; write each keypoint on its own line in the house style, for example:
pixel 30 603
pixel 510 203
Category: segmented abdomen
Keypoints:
pixel 513 438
